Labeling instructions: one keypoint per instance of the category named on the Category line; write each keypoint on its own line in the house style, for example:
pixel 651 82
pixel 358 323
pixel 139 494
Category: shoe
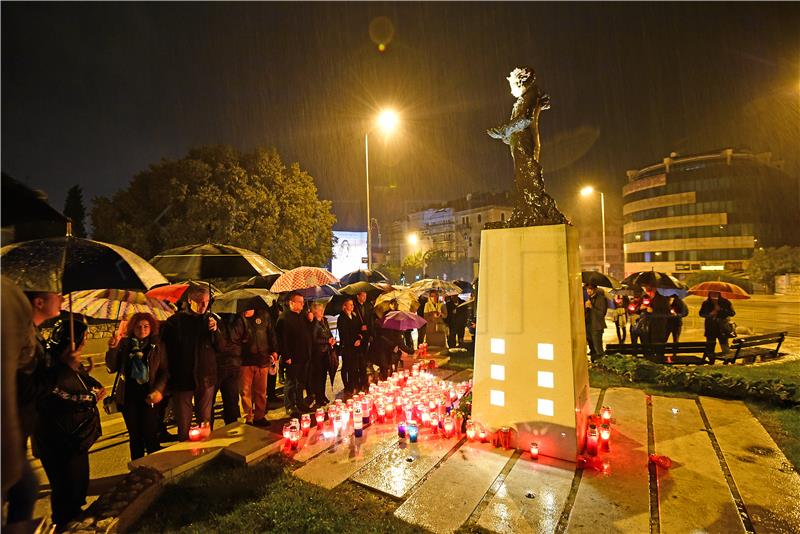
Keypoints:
pixel 166 437
pixel 262 423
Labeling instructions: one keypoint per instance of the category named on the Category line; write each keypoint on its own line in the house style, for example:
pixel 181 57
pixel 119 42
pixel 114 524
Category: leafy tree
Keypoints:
pixel 437 264
pixel 217 194
pixel 75 210
pixel 412 266
pixel 768 263
pixel 392 272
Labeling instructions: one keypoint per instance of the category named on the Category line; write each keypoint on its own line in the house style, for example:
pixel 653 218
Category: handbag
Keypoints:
pixel 110 405
pixel 86 432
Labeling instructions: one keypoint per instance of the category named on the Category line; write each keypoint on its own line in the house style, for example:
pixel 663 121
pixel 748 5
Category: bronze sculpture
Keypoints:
pixel 534 207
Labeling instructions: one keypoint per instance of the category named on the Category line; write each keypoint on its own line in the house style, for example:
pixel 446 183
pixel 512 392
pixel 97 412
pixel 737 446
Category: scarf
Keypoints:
pixel 139 368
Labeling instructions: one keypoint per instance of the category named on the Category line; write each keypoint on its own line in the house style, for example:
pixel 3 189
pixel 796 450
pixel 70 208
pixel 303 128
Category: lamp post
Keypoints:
pixel 586 191
pixel 387 122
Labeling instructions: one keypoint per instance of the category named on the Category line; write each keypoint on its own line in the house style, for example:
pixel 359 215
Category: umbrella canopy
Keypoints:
pixel 240 300
pixel 333 304
pixel 116 304
pixel 358 287
pixel 465 286
pixel 259 282
pixel 302 278
pixel 66 264
pixel 22 204
pixel 363 275
pixel 174 292
pixel 427 285
pixel 599 279
pixel 211 260
pixel 405 298
pixel 318 292
pixel 725 289
pixel 655 279
pixel 401 320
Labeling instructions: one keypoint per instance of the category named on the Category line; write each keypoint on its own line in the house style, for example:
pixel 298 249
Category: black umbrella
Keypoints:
pixel 240 300
pixel 22 204
pixel 358 287
pixel 363 275
pixel 257 282
pixel 66 264
pixel 654 279
pixel 333 305
pixel 211 260
pixel 599 279
pixel 465 286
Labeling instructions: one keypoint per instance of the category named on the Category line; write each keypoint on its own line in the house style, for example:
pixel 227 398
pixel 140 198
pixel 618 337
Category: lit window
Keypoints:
pixel 545 351
pixel 497 372
pixel 498 345
pixel 498 398
pixel 545 379
pixel 544 407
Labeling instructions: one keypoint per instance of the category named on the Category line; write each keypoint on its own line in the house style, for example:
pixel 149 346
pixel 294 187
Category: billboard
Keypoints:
pixel 349 252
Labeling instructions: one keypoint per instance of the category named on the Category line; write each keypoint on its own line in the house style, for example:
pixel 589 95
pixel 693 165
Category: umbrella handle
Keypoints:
pixel 71 325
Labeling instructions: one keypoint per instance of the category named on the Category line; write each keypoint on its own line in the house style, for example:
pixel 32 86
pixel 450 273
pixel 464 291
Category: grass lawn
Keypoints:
pixel 460 361
pixel 224 497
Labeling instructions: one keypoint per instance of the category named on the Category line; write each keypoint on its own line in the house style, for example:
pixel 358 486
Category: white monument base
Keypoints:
pixel 531 370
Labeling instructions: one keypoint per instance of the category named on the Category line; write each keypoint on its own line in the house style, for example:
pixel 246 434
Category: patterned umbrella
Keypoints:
pixel 427 285
pixel 302 278
pixel 363 275
pixel 116 304
pixel 174 292
pixel 406 301
pixel 211 260
pixel 725 289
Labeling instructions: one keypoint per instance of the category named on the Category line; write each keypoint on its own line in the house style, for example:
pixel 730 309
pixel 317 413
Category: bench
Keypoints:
pixel 748 342
pixel 658 352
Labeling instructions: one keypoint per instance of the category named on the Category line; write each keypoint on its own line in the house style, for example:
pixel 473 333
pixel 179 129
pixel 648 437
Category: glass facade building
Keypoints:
pixel 707 212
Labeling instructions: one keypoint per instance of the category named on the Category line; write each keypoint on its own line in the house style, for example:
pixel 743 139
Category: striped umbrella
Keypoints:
pixel 302 278
pixel 116 304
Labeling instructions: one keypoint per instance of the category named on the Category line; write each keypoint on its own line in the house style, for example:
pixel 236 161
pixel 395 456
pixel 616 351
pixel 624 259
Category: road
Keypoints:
pixel 761 314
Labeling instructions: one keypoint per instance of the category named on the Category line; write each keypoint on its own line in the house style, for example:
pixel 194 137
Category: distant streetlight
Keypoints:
pixel 585 192
pixel 387 122
pixel 412 239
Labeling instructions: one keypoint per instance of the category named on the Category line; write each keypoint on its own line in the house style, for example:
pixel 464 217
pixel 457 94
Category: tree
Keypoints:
pixel 768 263
pixel 217 194
pixel 392 272
pixel 412 266
pixel 437 264
pixel 75 210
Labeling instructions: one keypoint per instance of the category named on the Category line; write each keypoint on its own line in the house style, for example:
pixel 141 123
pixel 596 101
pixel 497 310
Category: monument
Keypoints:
pixel 530 353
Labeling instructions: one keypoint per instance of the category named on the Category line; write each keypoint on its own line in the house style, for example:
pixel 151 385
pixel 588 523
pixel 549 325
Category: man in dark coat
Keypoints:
pixel 295 344
pixel 350 339
pixel 717 311
pixel 259 361
pixel 387 342
pixel 677 311
pixel 655 314
pixel 451 303
pixel 595 308
pixel 229 366
pixel 365 311
pixel 192 338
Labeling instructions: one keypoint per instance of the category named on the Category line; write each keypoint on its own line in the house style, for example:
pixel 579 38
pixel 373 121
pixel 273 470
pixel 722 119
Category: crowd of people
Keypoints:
pixel 653 318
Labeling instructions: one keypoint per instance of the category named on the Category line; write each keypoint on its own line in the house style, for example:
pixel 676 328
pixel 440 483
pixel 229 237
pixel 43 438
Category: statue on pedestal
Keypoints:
pixel 534 207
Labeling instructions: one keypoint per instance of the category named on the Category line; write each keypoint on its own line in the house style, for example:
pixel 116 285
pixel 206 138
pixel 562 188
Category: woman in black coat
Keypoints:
pixel 386 344
pixel 68 424
pixel 323 342
pixel 139 359
pixel 716 311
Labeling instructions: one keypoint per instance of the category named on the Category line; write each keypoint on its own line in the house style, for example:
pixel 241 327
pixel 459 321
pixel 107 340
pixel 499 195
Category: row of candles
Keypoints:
pixel 598 435
pixel 422 400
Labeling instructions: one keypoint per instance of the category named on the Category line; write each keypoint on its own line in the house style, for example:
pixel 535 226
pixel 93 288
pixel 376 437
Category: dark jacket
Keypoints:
pixel 349 332
pixel 366 315
pixel 386 343
pixel 119 359
pixel 656 320
pixel 321 333
pixel 259 340
pixel 191 351
pixel 232 334
pixel 678 310
pixel 294 337
pixel 596 315
pixel 714 324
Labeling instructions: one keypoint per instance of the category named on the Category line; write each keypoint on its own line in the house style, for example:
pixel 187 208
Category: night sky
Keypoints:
pixel 93 93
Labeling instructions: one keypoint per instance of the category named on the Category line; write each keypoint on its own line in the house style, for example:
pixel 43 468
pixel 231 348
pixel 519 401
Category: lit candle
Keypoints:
pixel 365 411
pixel 390 410
pixel 401 429
pixel 605 414
pixel 320 418
pixel 425 417
pixel 470 430
pixel 448 426
pixel 357 426
pixel 435 423
pixel 482 435
pixel 534 451
pixel 381 413
pixel 287 430
pixel 413 431
pixel 306 423
pixel 605 436
pixel 591 440
pixel 195 434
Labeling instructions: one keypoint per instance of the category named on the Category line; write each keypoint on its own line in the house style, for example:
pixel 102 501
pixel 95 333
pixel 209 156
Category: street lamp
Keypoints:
pixel 585 192
pixel 412 239
pixel 387 121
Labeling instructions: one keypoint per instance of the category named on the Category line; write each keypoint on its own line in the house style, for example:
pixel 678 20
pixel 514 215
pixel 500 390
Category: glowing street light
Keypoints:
pixel 387 122
pixel 412 239
pixel 585 192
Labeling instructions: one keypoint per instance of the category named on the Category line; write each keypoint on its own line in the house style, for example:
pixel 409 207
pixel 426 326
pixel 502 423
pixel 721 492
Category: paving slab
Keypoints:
pixel 461 376
pixel 766 480
pixel 618 498
pixel 443 374
pixel 397 469
pixel 531 498
pixel 447 498
pixel 693 493
pixel 316 442
pixel 594 394
pixel 347 456
pixel 254 443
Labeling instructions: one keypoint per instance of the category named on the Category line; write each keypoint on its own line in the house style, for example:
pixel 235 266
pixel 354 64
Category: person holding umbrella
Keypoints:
pixel 191 340
pixel 717 311
pixel 321 360
pixel 677 311
pixel 142 368
pixel 351 340
pixel 365 312
pixel 595 308
pixel 655 313
pixel 295 344
pixel 259 361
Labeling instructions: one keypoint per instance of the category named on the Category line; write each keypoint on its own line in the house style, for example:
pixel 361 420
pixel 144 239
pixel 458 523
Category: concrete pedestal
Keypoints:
pixel 531 370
